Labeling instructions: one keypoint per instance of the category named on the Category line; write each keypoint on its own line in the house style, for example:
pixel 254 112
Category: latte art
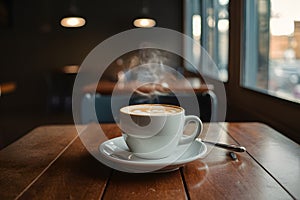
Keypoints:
pixel 152 109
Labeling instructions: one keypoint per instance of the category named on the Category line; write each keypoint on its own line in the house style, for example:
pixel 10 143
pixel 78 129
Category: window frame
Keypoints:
pixel 245 104
pixel 212 50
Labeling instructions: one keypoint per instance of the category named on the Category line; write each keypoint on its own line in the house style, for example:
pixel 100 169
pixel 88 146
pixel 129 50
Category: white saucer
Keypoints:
pixel 116 154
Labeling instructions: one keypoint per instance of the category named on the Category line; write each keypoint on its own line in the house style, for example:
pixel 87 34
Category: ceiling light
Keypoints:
pixel 73 19
pixel 144 22
pixel 72 22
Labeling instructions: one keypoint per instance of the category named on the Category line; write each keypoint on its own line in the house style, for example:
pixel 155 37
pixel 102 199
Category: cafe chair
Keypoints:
pixel 105 112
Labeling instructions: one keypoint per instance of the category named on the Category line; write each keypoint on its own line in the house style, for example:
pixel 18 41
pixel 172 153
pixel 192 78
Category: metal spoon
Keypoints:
pixel 230 147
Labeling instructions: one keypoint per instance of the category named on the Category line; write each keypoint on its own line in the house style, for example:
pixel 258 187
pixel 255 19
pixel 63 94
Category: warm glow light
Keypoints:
pixel 211 22
pixel 144 22
pixel 70 69
pixel 223 25
pixel 7 87
pixel 196 27
pixel 223 2
pixel 72 22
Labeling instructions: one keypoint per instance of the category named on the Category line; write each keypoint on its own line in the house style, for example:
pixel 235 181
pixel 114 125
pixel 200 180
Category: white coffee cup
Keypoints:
pixel 153 131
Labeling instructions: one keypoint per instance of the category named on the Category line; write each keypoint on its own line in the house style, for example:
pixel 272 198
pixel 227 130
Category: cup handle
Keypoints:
pixel 199 126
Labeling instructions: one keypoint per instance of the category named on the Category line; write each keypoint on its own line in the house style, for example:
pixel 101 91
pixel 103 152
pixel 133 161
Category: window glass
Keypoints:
pixel 272 48
pixel 207 22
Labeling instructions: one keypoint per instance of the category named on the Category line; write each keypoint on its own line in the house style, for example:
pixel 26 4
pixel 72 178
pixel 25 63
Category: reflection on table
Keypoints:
pixel 51 161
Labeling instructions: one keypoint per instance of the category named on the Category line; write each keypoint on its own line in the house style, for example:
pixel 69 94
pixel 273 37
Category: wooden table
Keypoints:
pixel 7 87
pixel 50 162
pixel 107 87
pixel 189 86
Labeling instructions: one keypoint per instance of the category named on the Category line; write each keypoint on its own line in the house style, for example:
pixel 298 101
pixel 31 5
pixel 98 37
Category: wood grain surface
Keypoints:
pixel 107 87
pixel 51 162
pixel 24 160
pixel 146 186
pixel 217 176
pixel 277 154
pixel 74 175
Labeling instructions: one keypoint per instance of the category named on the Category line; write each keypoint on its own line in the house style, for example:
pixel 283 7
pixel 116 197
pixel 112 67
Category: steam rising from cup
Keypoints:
pixel 148 69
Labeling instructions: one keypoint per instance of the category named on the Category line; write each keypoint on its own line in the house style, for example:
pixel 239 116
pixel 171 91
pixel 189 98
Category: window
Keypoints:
pixel 272 48
pixel 251 55
pixel 206 21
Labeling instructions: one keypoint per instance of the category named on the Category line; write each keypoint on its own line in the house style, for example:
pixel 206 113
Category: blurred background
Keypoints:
pixel 255 44
pixel 39 57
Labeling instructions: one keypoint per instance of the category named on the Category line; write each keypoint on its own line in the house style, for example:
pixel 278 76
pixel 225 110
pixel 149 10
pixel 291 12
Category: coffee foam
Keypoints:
pixel 151 109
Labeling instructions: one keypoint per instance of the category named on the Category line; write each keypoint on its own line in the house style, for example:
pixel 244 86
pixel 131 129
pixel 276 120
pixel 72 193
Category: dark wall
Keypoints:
pixel 34 44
